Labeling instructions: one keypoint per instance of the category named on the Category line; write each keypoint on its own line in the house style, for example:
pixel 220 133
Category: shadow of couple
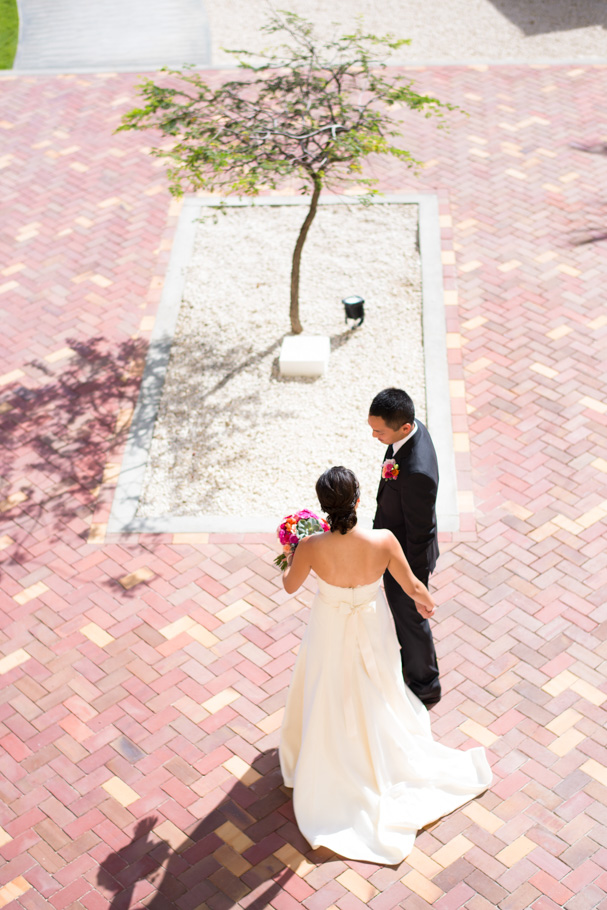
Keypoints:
pixel 227 855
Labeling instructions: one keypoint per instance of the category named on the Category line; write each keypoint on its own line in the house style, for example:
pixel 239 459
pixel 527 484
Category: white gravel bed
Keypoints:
pixel 440 31
pixel 232 437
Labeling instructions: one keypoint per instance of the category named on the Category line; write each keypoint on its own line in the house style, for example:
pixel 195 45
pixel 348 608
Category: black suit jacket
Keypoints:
pixel 407 505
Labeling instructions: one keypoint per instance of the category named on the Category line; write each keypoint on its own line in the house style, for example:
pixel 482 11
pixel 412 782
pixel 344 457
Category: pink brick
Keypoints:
pixel 69 894
pixel 454 898
pixel 15 748
pixel 551 888
pixel 297 887
pixel 582 876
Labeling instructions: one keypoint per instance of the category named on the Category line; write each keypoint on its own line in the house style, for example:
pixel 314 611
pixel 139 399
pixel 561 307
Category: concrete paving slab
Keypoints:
pixel 68 35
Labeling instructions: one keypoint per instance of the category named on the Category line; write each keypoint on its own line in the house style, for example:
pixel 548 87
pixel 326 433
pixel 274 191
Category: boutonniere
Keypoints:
pixel 389 469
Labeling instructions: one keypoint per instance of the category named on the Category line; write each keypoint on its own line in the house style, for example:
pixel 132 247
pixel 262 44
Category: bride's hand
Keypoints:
pixel 425 611
pixel 401 571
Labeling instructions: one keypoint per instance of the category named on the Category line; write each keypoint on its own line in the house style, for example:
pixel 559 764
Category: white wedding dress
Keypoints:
pixel 356 744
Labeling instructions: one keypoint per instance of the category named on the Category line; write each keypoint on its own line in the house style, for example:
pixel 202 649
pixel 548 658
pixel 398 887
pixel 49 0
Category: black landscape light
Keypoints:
pixel 355 309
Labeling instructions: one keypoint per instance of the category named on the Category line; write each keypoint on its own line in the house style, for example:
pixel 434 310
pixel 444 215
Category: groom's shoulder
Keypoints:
pixel 422 439
pixel 422 430
pixel 422 458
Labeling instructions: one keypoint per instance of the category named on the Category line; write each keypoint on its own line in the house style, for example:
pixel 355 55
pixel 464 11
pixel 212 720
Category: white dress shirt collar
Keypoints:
pixel 397 445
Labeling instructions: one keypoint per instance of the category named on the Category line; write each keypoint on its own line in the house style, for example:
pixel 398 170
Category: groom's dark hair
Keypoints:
pixel 394 407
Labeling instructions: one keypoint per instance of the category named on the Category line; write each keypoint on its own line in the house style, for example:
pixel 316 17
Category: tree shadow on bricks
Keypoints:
pixel 236 856
pixel 58 428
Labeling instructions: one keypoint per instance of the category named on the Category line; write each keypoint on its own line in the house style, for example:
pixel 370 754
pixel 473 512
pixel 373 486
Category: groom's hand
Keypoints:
pixel 425 611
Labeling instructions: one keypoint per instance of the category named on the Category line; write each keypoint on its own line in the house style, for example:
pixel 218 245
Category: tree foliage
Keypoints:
pixel 307 108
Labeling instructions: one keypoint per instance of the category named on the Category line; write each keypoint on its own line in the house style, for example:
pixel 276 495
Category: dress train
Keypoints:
pixel 356 744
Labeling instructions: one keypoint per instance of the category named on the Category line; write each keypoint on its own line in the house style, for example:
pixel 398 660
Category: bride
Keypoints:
pixel 356 744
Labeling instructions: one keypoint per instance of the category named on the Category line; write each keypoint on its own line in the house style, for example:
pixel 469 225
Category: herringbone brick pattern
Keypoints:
pixel 143 679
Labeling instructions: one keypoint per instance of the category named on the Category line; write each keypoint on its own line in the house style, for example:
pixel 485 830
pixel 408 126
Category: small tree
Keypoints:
pixel 310 109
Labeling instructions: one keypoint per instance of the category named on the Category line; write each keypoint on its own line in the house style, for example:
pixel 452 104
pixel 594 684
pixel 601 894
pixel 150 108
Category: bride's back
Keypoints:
pixel 349 560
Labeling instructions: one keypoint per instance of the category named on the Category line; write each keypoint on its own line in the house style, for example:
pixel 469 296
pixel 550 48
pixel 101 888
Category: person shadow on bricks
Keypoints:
pixel 119 872
pixel 248 845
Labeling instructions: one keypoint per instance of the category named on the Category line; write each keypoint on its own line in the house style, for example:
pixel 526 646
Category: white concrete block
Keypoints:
pixel 304 355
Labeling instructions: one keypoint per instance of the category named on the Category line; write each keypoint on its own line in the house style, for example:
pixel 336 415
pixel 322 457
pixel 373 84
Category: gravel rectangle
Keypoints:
pixel 441 31
pixel 234 438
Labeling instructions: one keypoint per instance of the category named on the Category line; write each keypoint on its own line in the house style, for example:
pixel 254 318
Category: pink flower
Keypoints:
pixel 290 532
pixel 389 469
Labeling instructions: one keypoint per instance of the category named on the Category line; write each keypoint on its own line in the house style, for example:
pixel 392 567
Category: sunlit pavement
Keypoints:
pixel 144 677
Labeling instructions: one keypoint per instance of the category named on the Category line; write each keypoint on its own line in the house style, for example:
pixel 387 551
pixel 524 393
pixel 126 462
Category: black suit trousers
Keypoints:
pixel 418 656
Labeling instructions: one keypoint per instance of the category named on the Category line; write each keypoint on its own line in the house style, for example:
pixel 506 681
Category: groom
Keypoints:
pixel 406 502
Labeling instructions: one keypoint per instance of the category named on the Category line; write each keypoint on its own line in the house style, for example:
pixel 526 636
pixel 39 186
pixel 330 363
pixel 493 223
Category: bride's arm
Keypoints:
pixel 400 570
pixel 294 576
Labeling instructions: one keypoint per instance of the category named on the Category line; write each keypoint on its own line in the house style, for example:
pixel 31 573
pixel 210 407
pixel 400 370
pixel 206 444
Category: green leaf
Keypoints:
pixel 308 109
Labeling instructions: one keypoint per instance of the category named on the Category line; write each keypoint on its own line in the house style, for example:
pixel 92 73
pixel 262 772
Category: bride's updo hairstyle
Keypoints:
pixel 338 492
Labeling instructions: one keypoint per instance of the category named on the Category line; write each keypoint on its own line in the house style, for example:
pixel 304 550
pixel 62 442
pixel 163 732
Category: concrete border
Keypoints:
pixel 123 518
pixel 398 64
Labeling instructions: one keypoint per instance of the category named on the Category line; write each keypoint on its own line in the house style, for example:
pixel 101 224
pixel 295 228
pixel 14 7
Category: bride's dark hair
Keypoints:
pixel 338 492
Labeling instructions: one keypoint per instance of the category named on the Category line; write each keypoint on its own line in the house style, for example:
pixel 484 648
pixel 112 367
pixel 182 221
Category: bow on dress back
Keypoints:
pixel 353 604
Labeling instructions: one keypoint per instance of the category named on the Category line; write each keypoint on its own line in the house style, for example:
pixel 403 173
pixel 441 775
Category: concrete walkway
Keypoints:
pixel 95 35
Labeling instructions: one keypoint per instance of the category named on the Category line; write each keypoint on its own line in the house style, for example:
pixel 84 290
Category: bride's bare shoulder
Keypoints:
pixel 313 540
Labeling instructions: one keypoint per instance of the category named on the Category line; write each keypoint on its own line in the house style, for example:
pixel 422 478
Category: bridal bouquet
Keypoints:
pixel 293 529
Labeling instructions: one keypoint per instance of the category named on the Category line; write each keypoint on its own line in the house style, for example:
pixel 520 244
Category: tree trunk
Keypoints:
pixel 296 326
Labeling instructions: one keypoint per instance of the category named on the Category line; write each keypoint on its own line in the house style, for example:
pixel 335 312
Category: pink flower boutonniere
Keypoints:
pixel 389 469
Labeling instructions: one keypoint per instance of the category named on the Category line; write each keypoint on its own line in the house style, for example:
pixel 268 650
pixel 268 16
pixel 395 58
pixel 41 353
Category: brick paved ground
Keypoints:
pixel 143 678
